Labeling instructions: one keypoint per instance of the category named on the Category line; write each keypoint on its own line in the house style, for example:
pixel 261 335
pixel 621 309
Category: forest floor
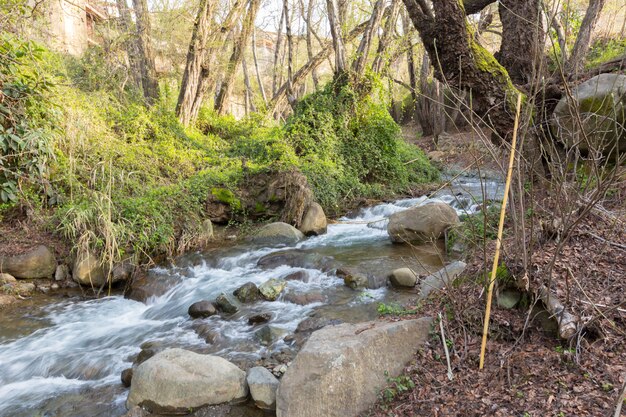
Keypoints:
pixel 528 370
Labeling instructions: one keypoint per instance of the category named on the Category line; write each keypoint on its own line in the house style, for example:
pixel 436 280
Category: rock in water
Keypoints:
pixel 341 369
pixel 403 277
pixel 38 262
pixel 276 234
pixel 444 277
pixel 271 289
pixel 263 385
pixel 87 270
pixel 175 380
pixel 226 304
pixel 202 309
pixel 61 273
pixel 314 221
pixel 595 115
pixel 247 293
pixel 7 279
pixel 421 224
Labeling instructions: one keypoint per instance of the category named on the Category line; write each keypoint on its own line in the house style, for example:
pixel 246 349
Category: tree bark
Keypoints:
pixel 335 31
pixel 581 46
pixel 464 64
pixel 309 38
pixel 130 43
pixel 238 50
pixel 383 44
pixel 410 61
pixel 248 92
pixel 196 56
pixel 256 67
pixel 358 66
pixel 217 41
pixel 523 39
pixel 305 70
pixel 146 54
pixel 279 40
pixel 290 96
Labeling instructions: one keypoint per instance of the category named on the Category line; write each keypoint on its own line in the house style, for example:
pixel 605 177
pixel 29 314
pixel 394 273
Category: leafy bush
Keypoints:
pixel 27 119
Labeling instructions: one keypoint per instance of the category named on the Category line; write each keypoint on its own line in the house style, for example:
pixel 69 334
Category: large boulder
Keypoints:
pixel 178 380
pixel 594 116
pixel 88 271
pixel 276 234
pixel 226 304
pixel 247 293
pixel 442 278
pixel 298 258
pixel 341 369
pixel 150 285
pixel 38 262
pixel 263 385
pixel 422 223
pixel 202 309
pixel 314 221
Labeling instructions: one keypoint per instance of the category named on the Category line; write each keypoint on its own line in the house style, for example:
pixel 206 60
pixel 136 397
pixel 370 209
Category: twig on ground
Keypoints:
pixel 445 347
pixel 620 399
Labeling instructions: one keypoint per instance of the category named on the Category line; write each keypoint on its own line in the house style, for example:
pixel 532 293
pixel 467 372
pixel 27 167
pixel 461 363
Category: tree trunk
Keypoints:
pixel 196 56
pixel 256 67
pixel 146 55
pixel 235 58
pixel 309 38
pixel 560 36
pixel 463 63
pixel 248 92
pixel 379 60
pixel 306 69
pixel 335 31
pixel 130 43
pixel 279 40
pixel 410 61
pixel 523 39
pixel 358 66
pixel 218 37
pixel 290 96
pixel 581 46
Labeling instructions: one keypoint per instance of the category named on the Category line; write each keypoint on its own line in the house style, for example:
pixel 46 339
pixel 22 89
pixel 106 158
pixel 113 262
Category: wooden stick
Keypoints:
pixel 494 269
pixel 445 347
pixel 620 400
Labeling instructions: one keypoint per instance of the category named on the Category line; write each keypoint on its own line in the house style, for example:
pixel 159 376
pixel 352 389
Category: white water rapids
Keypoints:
pixel 82 346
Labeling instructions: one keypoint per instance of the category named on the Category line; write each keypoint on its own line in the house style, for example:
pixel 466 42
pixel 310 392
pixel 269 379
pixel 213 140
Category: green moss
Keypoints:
pixel 226 196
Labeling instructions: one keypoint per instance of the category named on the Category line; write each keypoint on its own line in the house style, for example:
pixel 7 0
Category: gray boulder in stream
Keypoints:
pixel 594 116
pixel 276 234
pixel 314 221
pixel 38 262
pixel 177 380
pixel 341 369
pixel 421 224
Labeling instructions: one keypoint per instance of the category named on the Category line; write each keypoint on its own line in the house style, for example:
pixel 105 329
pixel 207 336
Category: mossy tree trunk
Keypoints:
pixel 146 54
pixel 463 63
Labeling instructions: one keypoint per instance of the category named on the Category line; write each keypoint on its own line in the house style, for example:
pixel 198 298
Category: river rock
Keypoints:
pixel 247 293
pixel 352 278
pixel 87 270
pixel 226 304
pixel 122 271
pixel 7 279
pixel 149 285
pixel 177 380
pixel 297 276
pixel 271 289
pixel 304 298
pixel 341 369
pixel 314 221
pixel 6 300
pixel 38 262
pixel 62 273
pixel 276 234
pixel 403 277
pixel 441 278
pixel 297 258
pixel 509 298
pixel 594 115
pixel 263 385
pixel 148 350
pixel 421 224
pixel 259 318
pixel 202 309
pixel 269 334
pixel 207 332
pixel 126 377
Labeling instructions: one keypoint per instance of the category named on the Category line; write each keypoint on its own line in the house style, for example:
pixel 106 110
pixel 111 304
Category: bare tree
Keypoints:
pixel 308 16
pixel 256 66
pixel 146 54
pixel 195 58
pixel 279 40
pixel 235 59
pixel 130 43
pixel 581 46
pixel 386 37
pixel 335 31
pixel 358 66
pixel 290 96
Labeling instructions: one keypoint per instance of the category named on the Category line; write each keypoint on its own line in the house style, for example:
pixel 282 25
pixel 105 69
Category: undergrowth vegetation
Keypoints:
pixel 122 179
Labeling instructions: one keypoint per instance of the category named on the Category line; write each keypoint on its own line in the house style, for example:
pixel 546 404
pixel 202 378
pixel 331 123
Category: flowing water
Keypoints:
pixel 64 358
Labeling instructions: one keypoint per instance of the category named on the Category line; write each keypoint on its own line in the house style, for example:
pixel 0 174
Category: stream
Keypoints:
pixel 63 357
